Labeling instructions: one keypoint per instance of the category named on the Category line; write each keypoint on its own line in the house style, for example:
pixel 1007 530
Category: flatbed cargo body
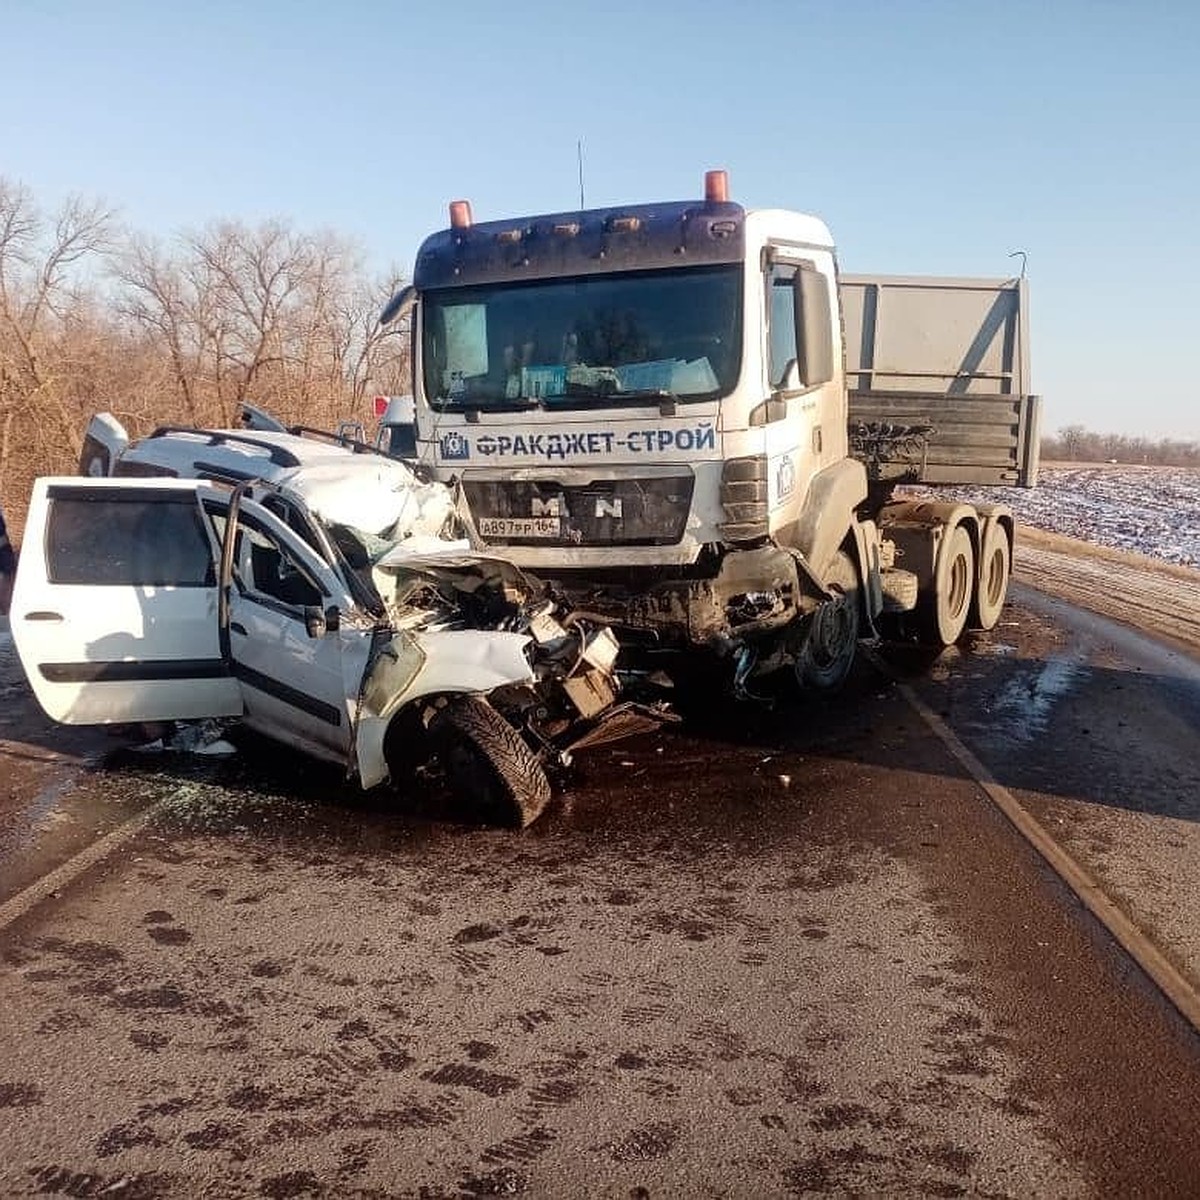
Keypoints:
pixel 937 379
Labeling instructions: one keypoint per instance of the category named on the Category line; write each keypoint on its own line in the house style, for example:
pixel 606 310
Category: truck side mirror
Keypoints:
pixel 400 305
pixel 814 327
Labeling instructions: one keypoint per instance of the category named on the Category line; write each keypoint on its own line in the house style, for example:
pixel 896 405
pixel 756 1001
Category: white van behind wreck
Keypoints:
pixel 318 596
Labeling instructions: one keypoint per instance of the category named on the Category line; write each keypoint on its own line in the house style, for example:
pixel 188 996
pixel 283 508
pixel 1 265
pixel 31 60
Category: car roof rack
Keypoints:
pixel 280 456
pixel 335 439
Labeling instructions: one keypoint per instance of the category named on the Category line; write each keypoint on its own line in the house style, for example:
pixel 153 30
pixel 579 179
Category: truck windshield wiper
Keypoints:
pixel 502 405
pixel 663 397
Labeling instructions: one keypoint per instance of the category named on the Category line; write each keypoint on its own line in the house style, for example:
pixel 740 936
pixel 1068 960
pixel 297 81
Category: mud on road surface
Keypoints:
pixel 41 821
pixel 653 998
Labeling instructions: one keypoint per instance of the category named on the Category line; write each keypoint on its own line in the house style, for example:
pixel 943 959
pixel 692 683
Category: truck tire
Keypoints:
pixel 995 569
pixel 945 609
pixel 825 658
pixel 488 764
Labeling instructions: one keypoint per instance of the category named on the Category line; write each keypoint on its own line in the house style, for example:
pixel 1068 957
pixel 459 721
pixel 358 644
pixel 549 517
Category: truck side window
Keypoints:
pixel 781 322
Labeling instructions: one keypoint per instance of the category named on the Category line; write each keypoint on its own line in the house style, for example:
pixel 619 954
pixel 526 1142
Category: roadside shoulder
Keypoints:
pixel 1147 593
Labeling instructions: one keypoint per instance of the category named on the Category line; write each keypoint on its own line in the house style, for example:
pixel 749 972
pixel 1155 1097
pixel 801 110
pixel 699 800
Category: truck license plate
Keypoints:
pixel 520 527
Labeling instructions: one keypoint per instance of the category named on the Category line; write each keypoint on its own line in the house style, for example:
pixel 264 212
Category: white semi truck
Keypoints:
pixel 680 415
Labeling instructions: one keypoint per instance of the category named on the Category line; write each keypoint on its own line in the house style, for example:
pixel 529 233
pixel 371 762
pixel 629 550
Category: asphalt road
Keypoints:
pixel 772 953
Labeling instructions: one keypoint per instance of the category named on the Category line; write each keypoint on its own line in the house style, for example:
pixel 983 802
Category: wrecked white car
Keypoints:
pixel 365 641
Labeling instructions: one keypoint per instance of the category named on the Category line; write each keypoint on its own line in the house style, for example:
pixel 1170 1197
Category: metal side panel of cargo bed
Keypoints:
pixel 937 372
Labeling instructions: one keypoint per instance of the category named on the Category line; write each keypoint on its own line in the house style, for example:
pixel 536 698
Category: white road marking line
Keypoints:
pixel 1170 981
pixel 66 874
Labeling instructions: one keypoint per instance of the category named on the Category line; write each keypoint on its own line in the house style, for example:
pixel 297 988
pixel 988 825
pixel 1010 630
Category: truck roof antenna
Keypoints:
pixel 1021 255
pixel 579 156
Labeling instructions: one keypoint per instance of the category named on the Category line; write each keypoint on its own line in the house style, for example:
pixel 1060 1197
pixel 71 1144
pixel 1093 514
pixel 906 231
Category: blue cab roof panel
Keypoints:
pixel 600 240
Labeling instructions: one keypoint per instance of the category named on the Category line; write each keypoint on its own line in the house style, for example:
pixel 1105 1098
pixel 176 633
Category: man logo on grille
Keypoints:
pixel 608 508
pixel 545 508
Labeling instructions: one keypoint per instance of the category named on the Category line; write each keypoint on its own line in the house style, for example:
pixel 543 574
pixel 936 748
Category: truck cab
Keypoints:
pixel 643 390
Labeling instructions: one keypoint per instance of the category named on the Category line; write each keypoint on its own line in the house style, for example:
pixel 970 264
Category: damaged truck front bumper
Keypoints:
pixel 749 593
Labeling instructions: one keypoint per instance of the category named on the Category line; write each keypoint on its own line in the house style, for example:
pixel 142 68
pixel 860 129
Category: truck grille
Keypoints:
pixel 606 512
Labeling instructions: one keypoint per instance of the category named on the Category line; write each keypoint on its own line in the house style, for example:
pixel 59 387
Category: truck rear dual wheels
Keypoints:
pixel 995 569
pixel 945 609
pixel 960 586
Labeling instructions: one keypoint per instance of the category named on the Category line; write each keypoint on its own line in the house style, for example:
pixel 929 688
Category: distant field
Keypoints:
pixel 1146 510
pixel 1119 540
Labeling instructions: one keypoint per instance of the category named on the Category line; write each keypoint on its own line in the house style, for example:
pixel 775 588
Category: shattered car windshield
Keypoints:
pixel 420 577
pixel 363 549
pixel 580 342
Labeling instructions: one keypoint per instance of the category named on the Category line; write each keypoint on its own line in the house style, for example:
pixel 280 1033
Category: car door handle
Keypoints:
pixel 238 627
pixel 43 616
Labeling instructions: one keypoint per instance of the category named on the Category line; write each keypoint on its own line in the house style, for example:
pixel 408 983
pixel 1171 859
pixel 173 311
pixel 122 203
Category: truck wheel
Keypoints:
pixel 487 762
pixel 946 609
pixel 827 654
pixel 995 568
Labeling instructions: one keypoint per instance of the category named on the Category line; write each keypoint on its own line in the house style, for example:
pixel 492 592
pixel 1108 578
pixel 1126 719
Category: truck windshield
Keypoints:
pixel 585 341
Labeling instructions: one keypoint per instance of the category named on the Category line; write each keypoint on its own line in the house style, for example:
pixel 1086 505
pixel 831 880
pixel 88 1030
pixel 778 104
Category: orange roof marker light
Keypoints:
pixel 716 187
pixel 460 214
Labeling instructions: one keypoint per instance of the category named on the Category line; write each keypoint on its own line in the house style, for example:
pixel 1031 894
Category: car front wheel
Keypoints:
pixel 488 763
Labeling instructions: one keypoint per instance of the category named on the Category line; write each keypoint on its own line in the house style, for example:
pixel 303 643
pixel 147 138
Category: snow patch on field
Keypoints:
pixel 1148 510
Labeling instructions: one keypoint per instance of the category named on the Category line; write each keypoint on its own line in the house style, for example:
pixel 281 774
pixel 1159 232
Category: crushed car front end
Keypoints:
pixel 468 624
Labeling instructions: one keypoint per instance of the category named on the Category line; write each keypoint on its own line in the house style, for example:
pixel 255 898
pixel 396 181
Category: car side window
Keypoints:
pixel 270 569
pixel 127 541
pixel 294 519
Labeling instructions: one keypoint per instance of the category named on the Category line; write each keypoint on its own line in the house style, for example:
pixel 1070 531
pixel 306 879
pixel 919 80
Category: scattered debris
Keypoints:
pixel 192 737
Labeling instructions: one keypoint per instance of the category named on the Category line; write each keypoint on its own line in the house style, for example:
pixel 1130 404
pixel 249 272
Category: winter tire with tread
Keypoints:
pixel 487 762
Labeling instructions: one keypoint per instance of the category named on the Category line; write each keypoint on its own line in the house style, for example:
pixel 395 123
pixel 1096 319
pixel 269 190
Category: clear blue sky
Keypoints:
pixel 933 137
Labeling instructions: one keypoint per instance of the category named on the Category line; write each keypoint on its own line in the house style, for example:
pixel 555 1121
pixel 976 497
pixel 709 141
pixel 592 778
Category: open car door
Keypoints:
pixel 103 444
pixel 296 642
pixel 115 606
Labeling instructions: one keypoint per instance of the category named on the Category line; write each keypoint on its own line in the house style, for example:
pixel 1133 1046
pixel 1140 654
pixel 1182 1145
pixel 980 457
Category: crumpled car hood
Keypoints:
pixel 388 497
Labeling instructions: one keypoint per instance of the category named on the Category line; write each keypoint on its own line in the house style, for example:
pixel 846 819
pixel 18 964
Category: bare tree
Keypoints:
pixel 284 319
pixel 179 331
pixel 49 271
pixel 160 298
pixel 375 358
